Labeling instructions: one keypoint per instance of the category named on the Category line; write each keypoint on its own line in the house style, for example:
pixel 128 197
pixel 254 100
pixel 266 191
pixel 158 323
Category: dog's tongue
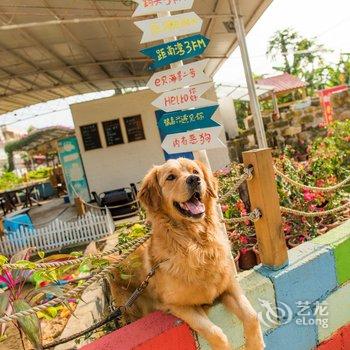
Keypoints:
pixel 194 206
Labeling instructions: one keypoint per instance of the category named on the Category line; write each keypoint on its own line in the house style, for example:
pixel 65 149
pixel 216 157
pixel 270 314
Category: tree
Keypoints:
pixel 298 56
pixel 339 73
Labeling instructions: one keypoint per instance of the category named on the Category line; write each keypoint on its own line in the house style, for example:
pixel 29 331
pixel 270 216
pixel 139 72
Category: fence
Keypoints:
pixel 58 234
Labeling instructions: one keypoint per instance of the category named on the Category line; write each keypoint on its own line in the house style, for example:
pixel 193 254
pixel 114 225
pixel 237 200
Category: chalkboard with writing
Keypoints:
pixel 91 137
pixel 113 132
pixel 134 128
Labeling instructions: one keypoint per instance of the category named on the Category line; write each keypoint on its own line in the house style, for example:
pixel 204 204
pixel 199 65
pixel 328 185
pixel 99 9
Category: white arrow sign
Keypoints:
pixel 166 27
pixel 183 98
pixel 149 7
pixel 194 140
pixel 176 78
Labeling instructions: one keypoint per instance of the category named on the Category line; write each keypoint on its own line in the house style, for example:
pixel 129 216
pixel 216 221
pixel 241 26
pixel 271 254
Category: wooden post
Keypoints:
pixel 2 231
pixel 80 206
pixel 264 196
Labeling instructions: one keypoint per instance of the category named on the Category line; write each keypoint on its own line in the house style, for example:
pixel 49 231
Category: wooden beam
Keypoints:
pixel 50 87
pixel 31 37
pixel 78 41
pixel 263 196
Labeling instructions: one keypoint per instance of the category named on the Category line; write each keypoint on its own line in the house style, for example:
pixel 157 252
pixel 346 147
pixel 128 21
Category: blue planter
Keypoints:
pixel 46 190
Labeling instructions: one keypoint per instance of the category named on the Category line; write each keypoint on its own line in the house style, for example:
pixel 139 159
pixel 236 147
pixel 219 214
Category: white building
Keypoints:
pixel 116 166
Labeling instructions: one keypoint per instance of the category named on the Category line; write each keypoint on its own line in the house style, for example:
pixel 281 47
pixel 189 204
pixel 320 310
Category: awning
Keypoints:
pixel 58 48
pixel 283 83
pixel 239 92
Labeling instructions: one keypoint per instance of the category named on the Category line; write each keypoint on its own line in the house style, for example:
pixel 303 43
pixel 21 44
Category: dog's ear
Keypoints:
pixel 210 179
pixel 150 192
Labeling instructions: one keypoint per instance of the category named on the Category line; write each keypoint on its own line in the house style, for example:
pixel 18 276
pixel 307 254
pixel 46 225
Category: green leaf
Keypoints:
pixel 124 276
pixel 4 302
pixel 41 254
pixel 21 255
pixel 54 290
pixel 30 325
pixel 26 264
pixel 77 254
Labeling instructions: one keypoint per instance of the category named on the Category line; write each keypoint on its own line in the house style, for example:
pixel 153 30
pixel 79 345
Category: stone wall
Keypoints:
pixel 295 127
pixel 341 105
pixel 303 306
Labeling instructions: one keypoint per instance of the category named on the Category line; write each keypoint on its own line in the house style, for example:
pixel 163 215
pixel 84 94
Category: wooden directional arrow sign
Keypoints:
pixel 181 121
pixel 171 79
pixel 166 27
pixel 193 140
pixel 177 50
pixel 183 98
pixel 149 7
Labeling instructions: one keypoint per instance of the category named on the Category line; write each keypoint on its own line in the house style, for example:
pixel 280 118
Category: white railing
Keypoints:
pixel 59 234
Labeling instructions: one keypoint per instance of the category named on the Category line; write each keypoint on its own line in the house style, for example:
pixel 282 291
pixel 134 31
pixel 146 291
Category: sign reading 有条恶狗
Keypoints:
pixel 194 140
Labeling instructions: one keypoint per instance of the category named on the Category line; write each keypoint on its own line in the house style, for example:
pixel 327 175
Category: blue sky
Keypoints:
pixel 328 21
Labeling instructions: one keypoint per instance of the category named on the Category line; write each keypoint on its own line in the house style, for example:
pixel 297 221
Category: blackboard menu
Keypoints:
pixel 113 132
pixel 134 128
pixel 91 137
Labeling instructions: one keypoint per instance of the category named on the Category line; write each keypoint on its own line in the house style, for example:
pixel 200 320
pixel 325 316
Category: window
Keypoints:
pixel 134 128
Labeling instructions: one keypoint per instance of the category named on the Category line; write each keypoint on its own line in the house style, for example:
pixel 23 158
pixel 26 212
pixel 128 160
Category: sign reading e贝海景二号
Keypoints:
pixel 176 78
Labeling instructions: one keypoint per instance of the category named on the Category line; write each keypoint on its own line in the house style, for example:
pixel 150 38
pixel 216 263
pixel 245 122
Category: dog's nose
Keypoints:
pixel 193 180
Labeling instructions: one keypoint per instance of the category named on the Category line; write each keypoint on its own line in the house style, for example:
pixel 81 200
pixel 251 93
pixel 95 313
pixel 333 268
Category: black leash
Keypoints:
pixel 114 316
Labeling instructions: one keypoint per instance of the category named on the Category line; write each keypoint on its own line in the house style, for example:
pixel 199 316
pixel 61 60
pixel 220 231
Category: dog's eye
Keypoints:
pixel 171 177
pixel 195 171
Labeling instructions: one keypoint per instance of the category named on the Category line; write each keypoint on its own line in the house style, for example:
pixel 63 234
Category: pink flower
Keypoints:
pixel 224 208
pixel 287 227
pixel 320 183
pixel 312 207
pixel 309 196
pixel 243 239
pixel 244 251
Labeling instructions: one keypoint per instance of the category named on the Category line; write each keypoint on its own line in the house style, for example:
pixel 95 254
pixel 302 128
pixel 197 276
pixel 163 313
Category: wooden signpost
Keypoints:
pixel 166 27
pixel 176 78
pixel 186 127
pixel 149 7
pixel 183 98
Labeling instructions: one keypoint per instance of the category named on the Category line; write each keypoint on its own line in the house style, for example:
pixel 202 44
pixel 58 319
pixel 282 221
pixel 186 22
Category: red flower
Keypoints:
pixel 243 239
pixel 240 205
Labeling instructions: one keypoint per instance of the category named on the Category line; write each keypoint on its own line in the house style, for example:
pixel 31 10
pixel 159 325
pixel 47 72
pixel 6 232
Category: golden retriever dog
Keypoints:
pixel 196 267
